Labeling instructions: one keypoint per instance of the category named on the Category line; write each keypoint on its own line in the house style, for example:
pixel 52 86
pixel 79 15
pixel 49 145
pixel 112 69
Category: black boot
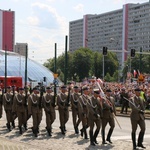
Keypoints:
pixel 81 132
pixel 62 130
pixel 20 130
pixel 91 138
pixel 49 132
pixel 95 136
pixel 35 131
pixel 25 126
pixel 76 130
pixel 103 137
pixel 140 140
pixel 133 140
pixel 13 124
pixel 85 133
pixel 109 135
pixel 8 126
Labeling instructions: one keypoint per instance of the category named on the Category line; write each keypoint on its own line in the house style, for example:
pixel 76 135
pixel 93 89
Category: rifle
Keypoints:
pixel 104 97
pixel 68 98
pixel 42 90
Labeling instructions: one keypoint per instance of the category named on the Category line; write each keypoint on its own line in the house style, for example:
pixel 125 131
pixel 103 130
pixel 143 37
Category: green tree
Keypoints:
pixel 82 61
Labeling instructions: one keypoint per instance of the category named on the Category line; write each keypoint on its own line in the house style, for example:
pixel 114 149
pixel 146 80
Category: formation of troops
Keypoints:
pixel 93 106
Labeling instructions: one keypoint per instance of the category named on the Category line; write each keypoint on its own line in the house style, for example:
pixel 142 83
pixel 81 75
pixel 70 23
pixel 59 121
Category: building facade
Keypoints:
pixel 120 31
pixel 20 48
pixel 7 30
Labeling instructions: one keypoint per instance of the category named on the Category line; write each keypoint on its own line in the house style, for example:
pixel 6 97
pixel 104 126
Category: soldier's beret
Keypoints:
pixel 63 87
pixel 21 88
pixel 108 90
pixel 97 91
pixel 35 88
pixel 48 88
pixel 75 87
pixel 137 89
pixel 85 88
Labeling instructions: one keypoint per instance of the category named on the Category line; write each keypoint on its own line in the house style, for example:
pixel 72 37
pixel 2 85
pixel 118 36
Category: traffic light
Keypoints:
pixel 44 79
pixel 104 50
pixel 132 52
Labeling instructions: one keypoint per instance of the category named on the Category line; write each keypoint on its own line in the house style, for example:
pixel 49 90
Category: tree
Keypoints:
pixel 82 61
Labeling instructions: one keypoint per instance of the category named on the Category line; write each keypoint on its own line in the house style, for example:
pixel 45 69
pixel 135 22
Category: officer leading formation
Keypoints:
pixel 92 105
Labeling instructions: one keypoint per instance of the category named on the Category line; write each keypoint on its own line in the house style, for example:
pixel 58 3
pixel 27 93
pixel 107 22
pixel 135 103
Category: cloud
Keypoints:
pixel 33 20
pixel 79 8
pixel 55 18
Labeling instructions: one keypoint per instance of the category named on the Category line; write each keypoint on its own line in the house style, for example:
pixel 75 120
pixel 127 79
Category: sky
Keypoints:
pixel 42 23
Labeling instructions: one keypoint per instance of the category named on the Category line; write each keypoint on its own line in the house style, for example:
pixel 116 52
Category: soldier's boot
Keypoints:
pixel 35 131
pixel 85 132
pixel 13 124
pixel 49 131
pixel 140 140
pixel 91 138
pixel 20 130
pixel 81 132
pixel 95 136
pixel 133 140
pixel 76 130
pixel 25 126
pixel 103 137
pixel 109 135
pixel 62 130
pixel 65 128
pixel 8 126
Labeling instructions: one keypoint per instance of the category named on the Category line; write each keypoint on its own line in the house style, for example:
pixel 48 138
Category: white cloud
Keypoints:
pixel 33 20
pixel 79 8
pixel 60 20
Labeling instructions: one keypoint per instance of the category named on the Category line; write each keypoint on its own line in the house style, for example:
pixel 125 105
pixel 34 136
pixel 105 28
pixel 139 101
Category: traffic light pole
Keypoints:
pixel 103 66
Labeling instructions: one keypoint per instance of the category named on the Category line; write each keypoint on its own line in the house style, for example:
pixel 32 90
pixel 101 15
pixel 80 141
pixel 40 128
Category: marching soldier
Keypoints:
pixel 83 110
pixel 94 115
pixel 62 102
pixel 137 118
pixel 75 112
pixel 19 108
pixel 34 109
pixel 108 116
pixel 48 102
pixel 8 102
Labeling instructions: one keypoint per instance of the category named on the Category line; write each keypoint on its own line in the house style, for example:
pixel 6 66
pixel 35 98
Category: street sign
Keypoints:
pixel 55 75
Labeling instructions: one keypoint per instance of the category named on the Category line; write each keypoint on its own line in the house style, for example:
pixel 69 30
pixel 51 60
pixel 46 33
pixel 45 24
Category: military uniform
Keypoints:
pixel 74 105
pixel 83 110
pixel 94 115
pixel 49 107
pixel 108 116
pixel 62 102
pixel 19 107
pixel 34 110
pixel 137 118
pixel 125 103
pixel 8 102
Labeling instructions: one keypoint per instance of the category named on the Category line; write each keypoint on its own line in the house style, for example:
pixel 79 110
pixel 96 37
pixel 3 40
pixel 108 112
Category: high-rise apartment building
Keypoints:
pixel 7 30
pixel 120 30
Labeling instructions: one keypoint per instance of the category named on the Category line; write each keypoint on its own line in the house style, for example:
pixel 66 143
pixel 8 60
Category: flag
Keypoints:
pixel 135 74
